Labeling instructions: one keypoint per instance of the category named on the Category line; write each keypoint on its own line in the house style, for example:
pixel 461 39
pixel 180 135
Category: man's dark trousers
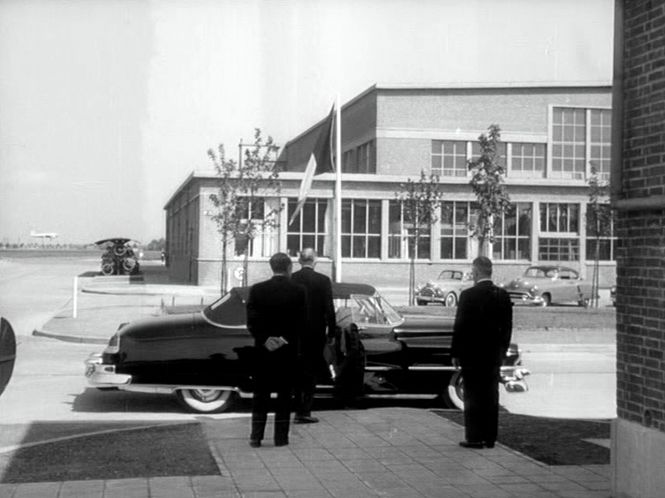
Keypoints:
pixel 270 376
pixel 481 403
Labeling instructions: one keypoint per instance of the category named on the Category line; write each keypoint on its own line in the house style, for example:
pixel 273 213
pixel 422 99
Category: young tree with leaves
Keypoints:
pixel 420 201
pixel 599 221
pixel 487 175
pixel 238 217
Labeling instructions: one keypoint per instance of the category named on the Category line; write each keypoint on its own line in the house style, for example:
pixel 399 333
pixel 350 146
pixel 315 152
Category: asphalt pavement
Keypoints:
pixel 400 452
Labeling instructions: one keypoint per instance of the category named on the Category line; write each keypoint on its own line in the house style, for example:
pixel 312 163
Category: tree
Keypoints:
pixel 420 202
pixel 487 174
pixel 240 209
pixel 599 221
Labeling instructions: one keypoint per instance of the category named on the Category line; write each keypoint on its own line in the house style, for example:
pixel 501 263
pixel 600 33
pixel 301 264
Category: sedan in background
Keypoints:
pixel 548 284
pixel 445 289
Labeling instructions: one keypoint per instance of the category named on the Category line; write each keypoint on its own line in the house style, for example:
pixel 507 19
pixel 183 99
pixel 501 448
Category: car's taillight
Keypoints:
pixel 113 345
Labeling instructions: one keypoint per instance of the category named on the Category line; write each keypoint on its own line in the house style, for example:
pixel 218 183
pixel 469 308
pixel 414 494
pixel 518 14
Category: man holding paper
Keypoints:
pixel 276 317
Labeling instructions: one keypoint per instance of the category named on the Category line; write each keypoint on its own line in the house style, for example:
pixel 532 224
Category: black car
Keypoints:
pixel 205 357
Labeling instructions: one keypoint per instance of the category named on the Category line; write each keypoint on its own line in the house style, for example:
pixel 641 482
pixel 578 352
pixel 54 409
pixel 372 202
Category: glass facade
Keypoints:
pixel 513 234
pixel 600 235
pixel 449 158
pixel 402 235
pixel 309 228
pixel 361 228
pixel 559 230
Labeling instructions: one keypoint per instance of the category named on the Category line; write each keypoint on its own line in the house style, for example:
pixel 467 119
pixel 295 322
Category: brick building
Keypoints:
pixel 638 191
pixel 551 136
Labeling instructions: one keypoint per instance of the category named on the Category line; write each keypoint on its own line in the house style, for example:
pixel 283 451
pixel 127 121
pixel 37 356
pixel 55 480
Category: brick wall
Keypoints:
pixel 641 255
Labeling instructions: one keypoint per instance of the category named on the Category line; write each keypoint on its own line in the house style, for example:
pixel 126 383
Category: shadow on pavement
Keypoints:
pixel 113 450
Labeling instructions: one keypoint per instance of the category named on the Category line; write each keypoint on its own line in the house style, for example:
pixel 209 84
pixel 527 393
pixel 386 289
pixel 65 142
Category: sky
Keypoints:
pixel 107 106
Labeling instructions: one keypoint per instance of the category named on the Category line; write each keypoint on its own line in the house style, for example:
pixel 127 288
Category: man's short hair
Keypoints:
pixel 307 256
pixel 484 265
pixel 280 262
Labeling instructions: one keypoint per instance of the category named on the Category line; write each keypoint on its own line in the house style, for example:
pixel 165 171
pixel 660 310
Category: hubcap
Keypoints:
pixel 207 395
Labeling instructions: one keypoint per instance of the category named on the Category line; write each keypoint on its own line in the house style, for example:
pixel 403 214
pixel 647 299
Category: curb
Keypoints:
pixel 70 338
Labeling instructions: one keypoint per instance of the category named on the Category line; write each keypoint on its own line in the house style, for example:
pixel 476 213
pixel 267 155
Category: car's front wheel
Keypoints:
pixel 206 400
pixel 547 300
pixel 453 394
pixel 451 300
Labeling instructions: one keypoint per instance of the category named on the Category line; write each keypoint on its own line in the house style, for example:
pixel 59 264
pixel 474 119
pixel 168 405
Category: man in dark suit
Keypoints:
pixel 276 315
pixel 481 336
pixel 320 324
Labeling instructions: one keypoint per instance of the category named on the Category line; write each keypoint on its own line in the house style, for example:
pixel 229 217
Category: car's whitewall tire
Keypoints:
pixel 206 400
pixel 451 300
pixel 454 391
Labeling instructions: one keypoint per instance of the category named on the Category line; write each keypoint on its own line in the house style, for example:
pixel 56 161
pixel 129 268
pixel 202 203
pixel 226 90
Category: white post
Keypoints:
pixel 75 297
pixel 338 192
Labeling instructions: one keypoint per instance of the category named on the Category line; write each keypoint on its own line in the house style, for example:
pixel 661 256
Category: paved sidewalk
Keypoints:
pixel 390 452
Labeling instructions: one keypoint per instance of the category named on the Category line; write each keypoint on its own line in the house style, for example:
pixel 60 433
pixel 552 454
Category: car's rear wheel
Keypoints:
pixel 206 400
pixel 451 300
pixel 547 300
pixel 421 303
pixel 584 303
pixel 453 394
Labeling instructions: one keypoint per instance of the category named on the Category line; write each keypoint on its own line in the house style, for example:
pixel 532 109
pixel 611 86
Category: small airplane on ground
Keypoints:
pixel 43 235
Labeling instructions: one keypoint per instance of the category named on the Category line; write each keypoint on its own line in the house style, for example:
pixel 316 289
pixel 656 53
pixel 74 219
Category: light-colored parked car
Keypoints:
pixel 445 289
pixel 546 284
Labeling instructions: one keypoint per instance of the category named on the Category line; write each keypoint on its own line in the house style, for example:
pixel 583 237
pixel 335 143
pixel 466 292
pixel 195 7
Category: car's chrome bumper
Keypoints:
pixel 102 375
pixel 430 298
pixel 523 298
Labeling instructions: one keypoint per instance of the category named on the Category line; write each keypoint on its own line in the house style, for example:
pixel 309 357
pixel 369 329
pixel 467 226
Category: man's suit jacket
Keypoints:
pixel 277 307
pixel 483 325
pixel 320 307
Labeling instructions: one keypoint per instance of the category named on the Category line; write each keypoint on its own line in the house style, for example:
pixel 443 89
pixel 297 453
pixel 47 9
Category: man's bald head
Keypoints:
pixel 307 257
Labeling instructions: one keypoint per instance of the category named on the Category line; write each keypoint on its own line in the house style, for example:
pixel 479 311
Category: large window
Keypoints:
pixel 513 233
pixel 600 234
pixel 456 217
pixel 559 227
pixel 309 227
pixel 600 141
pixel 361 159
pixel 402 235
pixel 527 160
pixel 449 158
pixel 568 142
pixel 501 149
pixel 361 228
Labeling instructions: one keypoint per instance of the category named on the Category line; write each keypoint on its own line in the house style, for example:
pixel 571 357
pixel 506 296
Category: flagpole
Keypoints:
pixel 337 253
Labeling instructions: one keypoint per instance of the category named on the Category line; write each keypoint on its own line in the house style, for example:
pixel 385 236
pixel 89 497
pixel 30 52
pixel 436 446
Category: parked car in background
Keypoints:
pixel 205 358
pixel 548 284
pixel 445 289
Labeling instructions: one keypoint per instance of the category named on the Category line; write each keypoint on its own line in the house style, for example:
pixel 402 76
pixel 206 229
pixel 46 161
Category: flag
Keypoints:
pixel 320 161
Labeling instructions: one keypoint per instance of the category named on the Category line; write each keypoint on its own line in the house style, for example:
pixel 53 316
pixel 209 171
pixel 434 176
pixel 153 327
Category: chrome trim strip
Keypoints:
pixel 221 326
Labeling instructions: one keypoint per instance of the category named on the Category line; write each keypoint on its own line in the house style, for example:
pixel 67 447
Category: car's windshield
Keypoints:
pixel 374 309
pixel 228 311
pixel 450 275
pixel 541 272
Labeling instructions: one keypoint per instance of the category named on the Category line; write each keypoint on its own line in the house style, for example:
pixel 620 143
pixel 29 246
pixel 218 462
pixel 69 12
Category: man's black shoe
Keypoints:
pixel 281 442
pixel 305 419
pixel 478 445
pixel 255 443
pixel 489 444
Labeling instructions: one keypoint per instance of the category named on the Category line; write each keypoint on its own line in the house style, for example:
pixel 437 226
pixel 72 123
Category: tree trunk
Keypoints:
pixel 224 272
